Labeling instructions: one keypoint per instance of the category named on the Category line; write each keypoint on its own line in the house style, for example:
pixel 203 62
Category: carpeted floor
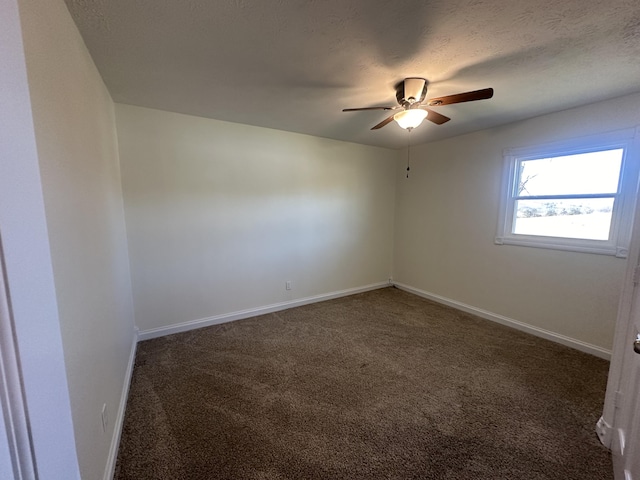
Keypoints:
pixel 380 385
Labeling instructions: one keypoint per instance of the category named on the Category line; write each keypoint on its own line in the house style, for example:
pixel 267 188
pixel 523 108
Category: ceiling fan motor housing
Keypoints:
pixel 411 91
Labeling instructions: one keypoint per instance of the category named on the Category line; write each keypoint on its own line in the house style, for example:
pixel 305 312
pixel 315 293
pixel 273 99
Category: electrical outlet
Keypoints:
pixel 105 418
pixel 288 285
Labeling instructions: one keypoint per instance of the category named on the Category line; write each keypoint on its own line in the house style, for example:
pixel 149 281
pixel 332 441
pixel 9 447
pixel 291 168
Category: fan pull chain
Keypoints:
pixel 409 151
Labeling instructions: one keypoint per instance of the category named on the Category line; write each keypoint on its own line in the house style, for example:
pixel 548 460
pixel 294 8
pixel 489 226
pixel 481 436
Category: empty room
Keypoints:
pixel 319 239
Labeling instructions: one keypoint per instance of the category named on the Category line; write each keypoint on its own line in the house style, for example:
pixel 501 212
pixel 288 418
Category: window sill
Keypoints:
pixel 562 244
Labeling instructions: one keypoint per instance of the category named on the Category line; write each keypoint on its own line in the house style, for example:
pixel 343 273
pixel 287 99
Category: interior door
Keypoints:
pixel 626 448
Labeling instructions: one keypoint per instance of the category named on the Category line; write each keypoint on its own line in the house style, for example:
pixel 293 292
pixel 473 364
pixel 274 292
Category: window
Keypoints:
pixel 577 195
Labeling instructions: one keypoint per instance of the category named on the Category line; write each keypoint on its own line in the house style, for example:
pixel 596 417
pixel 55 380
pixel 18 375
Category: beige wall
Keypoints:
pixel 221 215
pixel 77 150
pixel 446 221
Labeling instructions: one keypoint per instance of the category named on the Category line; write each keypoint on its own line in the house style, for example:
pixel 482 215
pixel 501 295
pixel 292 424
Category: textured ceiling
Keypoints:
pixel 294 65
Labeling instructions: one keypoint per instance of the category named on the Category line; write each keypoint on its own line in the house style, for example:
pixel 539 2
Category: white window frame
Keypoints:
pixel 623 209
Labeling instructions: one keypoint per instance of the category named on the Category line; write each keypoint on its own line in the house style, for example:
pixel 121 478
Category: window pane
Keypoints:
pixel 594 172
pixel 584 218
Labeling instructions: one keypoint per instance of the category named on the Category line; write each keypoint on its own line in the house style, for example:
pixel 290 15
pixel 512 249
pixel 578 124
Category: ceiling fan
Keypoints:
pixel 411 95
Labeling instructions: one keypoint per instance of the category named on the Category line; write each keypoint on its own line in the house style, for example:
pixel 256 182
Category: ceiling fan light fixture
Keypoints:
pixel 410 118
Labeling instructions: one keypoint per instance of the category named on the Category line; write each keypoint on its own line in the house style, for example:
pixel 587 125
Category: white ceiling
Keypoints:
pixel 295 64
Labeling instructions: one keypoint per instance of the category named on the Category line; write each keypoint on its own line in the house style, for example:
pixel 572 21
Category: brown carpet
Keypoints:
pixel 380 385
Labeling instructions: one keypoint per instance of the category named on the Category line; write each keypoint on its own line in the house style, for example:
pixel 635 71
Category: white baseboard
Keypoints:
pixel 510 322
pixel 117 426
pixel 252 312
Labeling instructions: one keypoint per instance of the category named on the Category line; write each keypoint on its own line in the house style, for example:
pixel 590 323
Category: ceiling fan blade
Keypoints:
pixel 369 108
pixel 389 119
pixel 461 97
pixel 436 117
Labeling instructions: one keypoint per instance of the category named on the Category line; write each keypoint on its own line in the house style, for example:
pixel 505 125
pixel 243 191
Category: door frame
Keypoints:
pixel 35 397
pixel 13 406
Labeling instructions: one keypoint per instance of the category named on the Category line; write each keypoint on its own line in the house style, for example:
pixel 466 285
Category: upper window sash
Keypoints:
pixel 568 173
